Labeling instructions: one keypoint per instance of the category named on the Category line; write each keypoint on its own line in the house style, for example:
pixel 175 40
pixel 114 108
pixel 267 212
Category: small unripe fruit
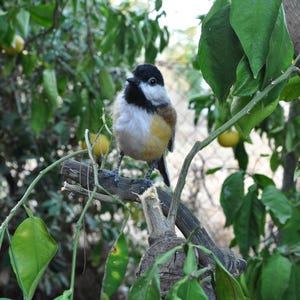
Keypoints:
pixel 228 138
pixel 16 47
pixel 100 144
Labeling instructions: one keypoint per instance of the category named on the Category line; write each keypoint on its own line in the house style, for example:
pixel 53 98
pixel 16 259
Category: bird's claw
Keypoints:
pixel 116 176
pixel 147 182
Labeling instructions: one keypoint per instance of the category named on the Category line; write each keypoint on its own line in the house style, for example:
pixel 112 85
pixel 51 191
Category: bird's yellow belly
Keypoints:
pixel 157 142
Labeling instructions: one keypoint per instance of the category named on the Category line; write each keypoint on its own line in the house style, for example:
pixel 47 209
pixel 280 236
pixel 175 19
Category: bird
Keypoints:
pixel 144 121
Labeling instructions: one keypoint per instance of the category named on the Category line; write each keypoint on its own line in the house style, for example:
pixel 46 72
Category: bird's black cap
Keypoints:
pixel 145 71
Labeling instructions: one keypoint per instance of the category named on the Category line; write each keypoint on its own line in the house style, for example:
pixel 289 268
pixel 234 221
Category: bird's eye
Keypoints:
pixel 152 81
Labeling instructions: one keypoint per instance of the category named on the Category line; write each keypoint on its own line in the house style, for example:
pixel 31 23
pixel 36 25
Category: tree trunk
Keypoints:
pixel 292 12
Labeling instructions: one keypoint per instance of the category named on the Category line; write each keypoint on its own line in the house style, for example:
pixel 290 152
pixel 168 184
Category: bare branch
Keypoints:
pixel 128 189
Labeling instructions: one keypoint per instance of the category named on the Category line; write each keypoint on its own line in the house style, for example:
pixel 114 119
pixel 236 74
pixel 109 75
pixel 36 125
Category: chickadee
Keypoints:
pixel 144 120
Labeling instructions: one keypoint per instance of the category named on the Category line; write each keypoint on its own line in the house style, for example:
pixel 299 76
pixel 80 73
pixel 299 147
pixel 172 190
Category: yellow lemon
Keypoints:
pixel 16 47
pixel 100 144
pixel 228 138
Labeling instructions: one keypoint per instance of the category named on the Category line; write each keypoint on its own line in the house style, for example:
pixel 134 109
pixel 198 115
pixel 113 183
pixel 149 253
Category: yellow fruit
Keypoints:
pixel 100 144
pixel 16 47
pixel 228 138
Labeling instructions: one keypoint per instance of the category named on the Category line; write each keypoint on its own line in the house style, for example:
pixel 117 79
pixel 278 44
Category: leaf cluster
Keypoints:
pixel 75 59
pixel 244 47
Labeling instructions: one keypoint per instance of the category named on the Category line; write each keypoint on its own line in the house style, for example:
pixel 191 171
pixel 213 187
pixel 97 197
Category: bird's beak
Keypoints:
pixel 133 80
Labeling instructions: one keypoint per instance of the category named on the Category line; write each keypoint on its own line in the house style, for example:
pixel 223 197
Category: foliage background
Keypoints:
pixel 82 54
pixel 76 56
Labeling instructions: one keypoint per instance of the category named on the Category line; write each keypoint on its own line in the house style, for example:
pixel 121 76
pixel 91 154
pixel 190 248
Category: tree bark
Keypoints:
pixel 292 12
pixel 127 190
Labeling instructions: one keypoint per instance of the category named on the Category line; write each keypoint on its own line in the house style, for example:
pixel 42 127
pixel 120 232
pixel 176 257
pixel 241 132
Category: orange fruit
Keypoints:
pixel 100 144
pixel 228 138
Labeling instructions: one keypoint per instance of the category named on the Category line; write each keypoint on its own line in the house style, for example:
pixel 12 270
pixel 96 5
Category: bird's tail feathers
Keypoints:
pixel 162 168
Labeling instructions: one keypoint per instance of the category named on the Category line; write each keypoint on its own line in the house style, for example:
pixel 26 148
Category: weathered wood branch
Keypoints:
pixel 162 238
pixel 128 189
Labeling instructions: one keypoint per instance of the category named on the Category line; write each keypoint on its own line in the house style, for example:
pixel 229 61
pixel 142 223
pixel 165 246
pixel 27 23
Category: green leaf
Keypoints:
pixel 190 264
pixel 164 37
pixel 150 53
pixel 274 161
pixel 22 22
pixel 232 194
pixel 219 53
pixel 262 180
pixel 65 296
pixel 200 102
pixel 254 117
pixel 290 231
pixel 75 5
pixel 253 22
pixel 213 170
pixel 163 258
pixel 293 290
pixel 227 287
pixel 275 277
pixel 291 90
pixel 246 84
pixel 279 57
pixel 90 113
pixel 280 53
pixel 107 85
pixel 158 5
pixel 3 25
pixel 50 86
pixel 1 236
pixel 241 155
pixel 218 5
pixel 147 287
pixel 277 202
pixel 187 288
pixel 9 66
pixel 29 62
pixel 31 250
pixel 41 113
pixel 42 14
pixel 253 277
pixel 250 222
pixel 115 267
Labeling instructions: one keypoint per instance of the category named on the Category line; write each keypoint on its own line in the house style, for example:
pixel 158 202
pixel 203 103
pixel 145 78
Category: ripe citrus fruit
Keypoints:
pixel 228 138
pixel 100 144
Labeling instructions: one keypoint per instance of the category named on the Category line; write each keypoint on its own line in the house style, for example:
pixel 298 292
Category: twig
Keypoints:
pixel 156 222
pixel 33 184
pixel 75 188
pixel 53 26
pixel 200 145
pixel 91 156
pixel 95 169
pixel 76 240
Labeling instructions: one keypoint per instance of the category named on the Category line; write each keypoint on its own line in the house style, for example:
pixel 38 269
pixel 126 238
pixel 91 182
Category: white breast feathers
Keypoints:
pixel 131 127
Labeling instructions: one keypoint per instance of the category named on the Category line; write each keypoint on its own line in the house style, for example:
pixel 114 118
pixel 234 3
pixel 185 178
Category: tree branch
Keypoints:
pixel 200 145
pixel 127 190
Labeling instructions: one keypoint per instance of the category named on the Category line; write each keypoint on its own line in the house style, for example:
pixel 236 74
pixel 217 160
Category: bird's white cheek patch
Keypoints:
pixel 157 94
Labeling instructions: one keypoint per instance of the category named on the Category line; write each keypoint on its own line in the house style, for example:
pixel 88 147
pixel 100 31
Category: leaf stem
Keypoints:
pixel 200 145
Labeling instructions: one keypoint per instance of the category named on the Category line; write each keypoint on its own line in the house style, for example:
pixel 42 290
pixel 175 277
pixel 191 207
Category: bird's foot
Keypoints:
pixel 116 176
pixel 147 182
